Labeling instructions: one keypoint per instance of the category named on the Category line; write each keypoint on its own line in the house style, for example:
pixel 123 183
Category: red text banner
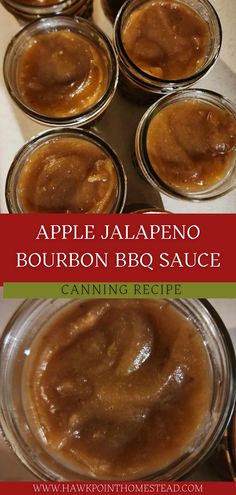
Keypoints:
pixel 125 248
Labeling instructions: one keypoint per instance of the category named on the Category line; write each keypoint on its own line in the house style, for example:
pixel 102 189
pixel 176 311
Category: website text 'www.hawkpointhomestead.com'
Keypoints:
pixel 117 488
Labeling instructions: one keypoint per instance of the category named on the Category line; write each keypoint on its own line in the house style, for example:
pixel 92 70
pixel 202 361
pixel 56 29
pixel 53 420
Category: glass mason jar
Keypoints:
pixel 73 82
pixel 29 10
pixel 57 190
pixel 145 87
pixel 15 347
pixel 111 8
pixel 222 185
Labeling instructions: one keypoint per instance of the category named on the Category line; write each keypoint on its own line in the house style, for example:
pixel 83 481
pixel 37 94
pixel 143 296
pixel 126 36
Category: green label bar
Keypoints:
pixel 84 290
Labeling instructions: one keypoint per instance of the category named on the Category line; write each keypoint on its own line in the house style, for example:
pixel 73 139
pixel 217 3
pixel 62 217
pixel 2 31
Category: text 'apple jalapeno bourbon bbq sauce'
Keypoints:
pixel 118 389
pixel 68 175
pixel 62 74
pixel 191 145
pixel 166 39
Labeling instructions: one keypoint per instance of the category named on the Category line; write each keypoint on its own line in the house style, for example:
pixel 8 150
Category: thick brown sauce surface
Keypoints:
pixel 166 39
pixel 191 145
pixel 67 176
pixel 61 74
pixel 118 389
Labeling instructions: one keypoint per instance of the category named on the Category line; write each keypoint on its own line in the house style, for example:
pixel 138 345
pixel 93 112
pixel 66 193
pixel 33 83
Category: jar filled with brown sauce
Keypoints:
pixel 61 71
pixel 61 171
pixel 186 145
pixel 165 45
pixel 115 389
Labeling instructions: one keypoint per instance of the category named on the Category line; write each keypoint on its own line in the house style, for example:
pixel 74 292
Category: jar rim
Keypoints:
pixel 39 9
pixel 27 13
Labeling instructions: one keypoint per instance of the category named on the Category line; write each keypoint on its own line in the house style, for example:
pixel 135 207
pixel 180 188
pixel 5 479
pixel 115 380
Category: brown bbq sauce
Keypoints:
pixel 166 39
pixel 117 388
pixel 191 145
pixel 67 176
pixel 62 74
